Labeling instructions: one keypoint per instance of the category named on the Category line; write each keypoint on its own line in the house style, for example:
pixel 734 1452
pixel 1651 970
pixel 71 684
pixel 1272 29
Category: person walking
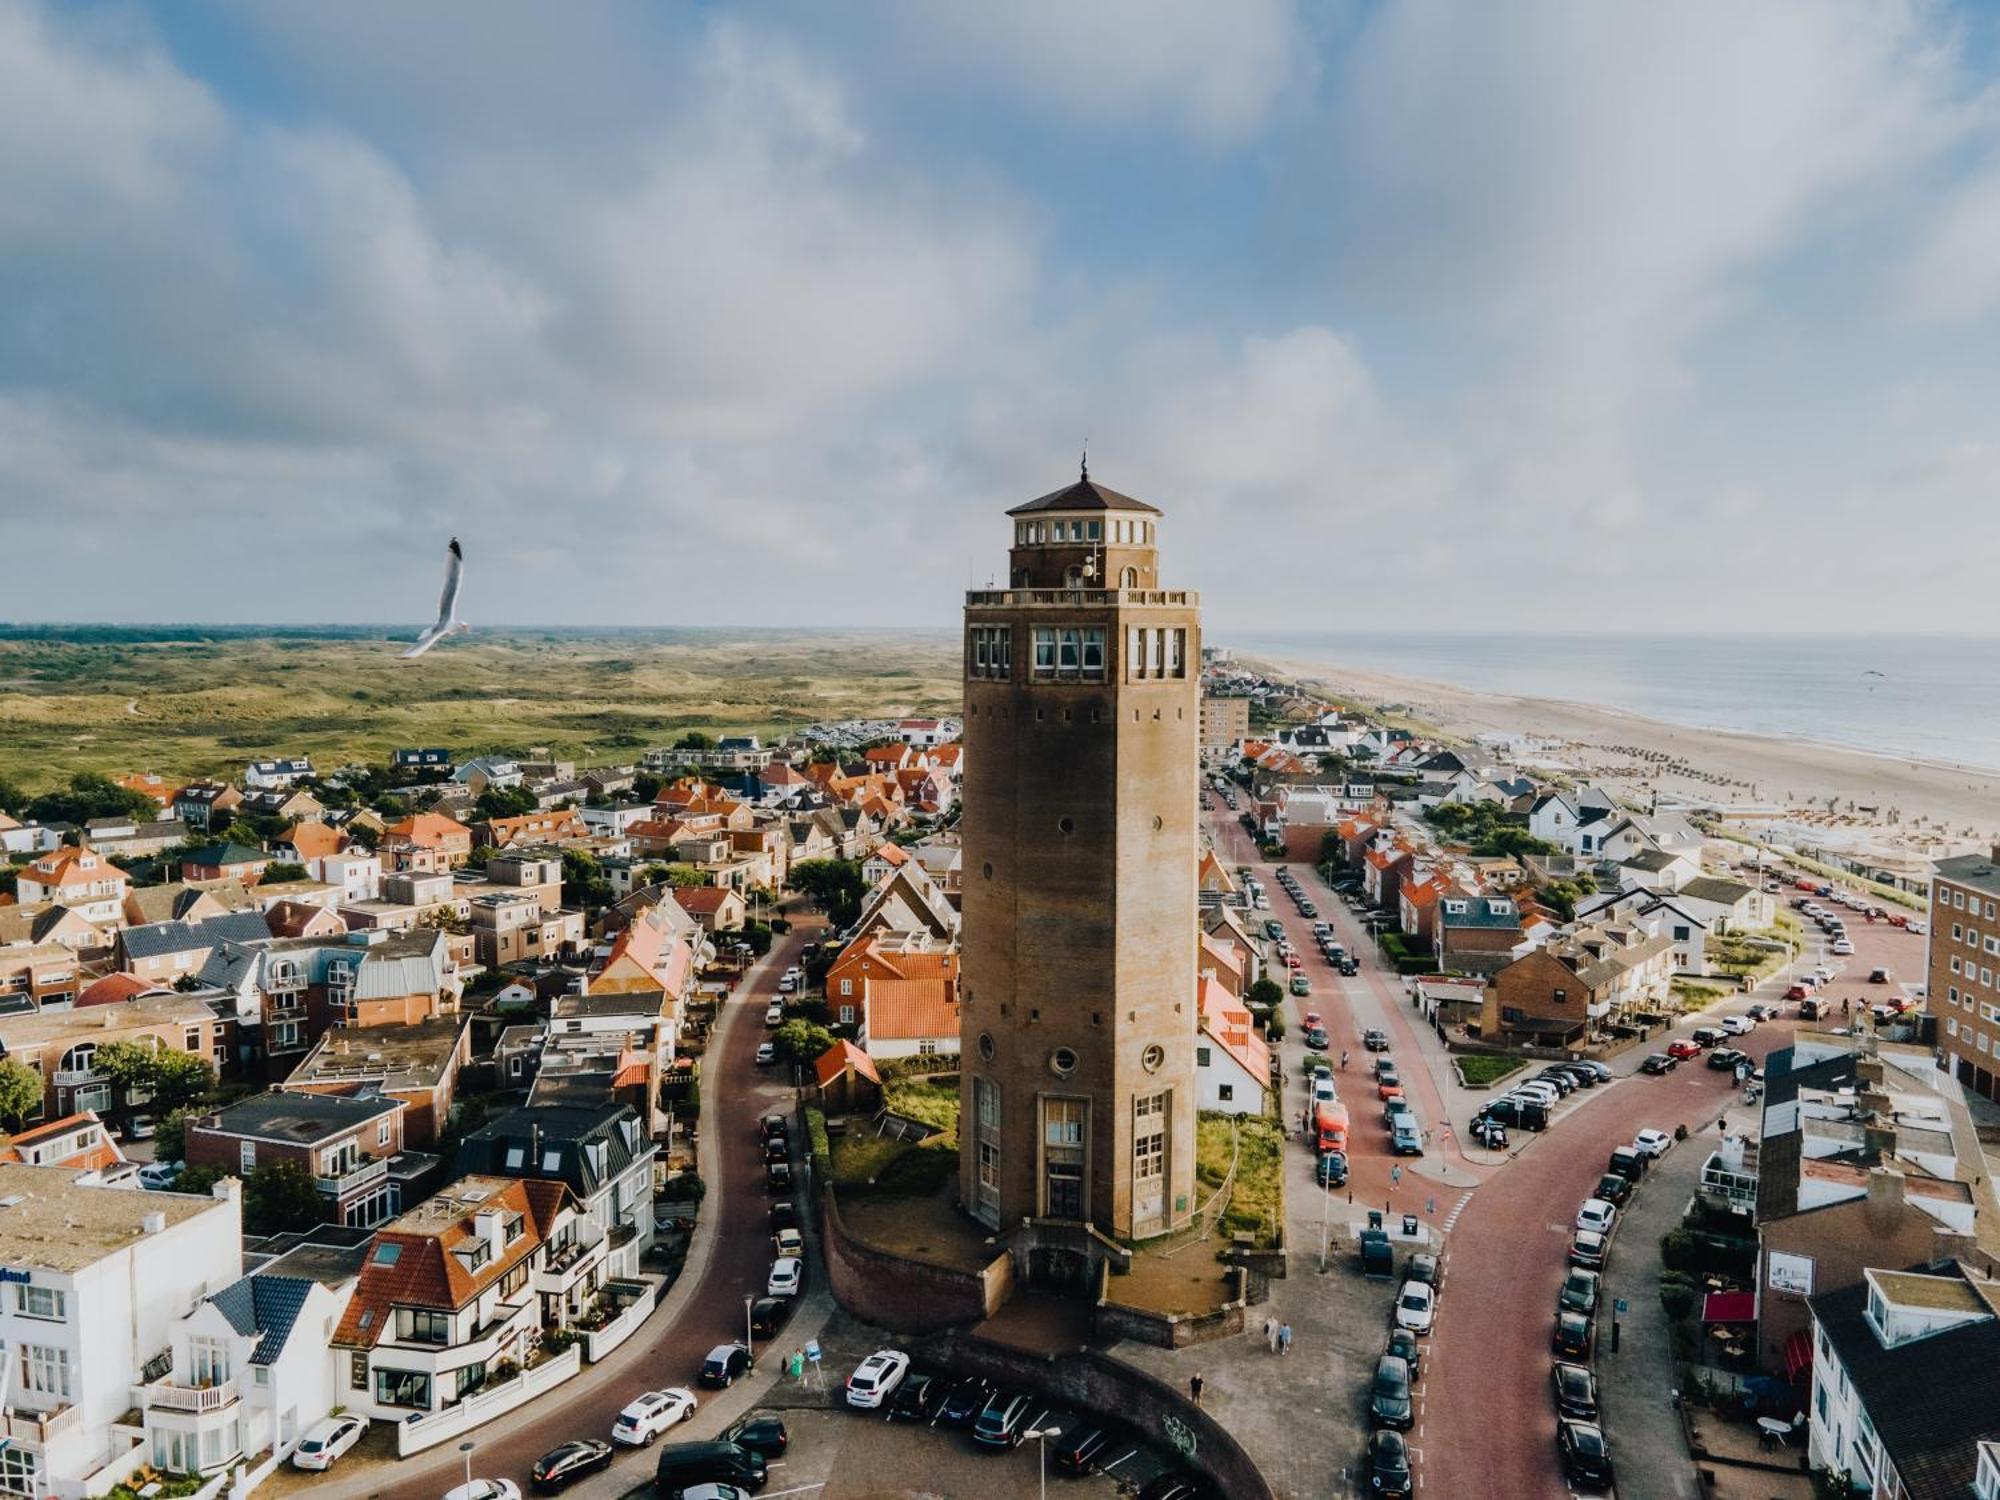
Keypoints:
pixel 1285 1339
pixel 1271 1334
pixel 1194 1387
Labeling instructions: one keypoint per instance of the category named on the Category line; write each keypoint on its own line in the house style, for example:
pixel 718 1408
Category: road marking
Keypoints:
pixel 802 1489
pixel 1117 1461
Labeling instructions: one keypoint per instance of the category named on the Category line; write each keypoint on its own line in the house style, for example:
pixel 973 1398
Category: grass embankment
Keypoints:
pixel 1257 1198
pixel 1696 995
pixel 878 1165
pixel 1480 1070
pixel 188 703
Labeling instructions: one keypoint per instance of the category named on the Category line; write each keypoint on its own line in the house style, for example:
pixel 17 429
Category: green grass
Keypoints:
pixel 871 1167
pixel 933 1102
pixel 1482 1070
pixel 194 701
pixel 1695 993
pixel 1257 1202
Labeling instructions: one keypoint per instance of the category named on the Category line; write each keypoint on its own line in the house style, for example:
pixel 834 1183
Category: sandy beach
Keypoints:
pixel 1916 805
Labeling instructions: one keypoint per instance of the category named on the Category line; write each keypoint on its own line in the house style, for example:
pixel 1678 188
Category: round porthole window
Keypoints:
pixel 1153 1057
pixel 1158 822
pixel 1062 1062
pixel 1065 825
pixel 986 1046
pixel 987 869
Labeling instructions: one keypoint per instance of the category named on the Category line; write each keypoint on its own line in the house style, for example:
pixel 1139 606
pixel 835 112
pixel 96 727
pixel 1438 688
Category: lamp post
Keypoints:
pixel 749 1328
pixel 1041 1436
pixel 466 1449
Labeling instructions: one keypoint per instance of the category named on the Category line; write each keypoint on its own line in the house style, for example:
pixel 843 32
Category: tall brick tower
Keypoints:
pixel 1082 682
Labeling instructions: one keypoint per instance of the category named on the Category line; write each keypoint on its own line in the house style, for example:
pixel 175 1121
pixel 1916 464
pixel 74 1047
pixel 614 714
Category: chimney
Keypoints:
pixel 1885 1198
pixel 227 1190
pixel 1874 1102
pixel 490 1225
pixel 1868 1071
pixel 153 1223
pixel 1995 852
pixel 1878 1142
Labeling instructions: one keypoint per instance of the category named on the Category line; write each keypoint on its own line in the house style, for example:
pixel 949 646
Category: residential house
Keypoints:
pixel 433 762
pixel 164 952
pixel 343 1142
pixel 1904 1405
pixel 62 1045
pixel 309 842
pixel 509 927
pixel 355 873
pixel 78 877
pixel 179 901
pixel 41 926
pixel 147 784
pixel 418 1064
pixel 611 781
pixel 924 734
pixel 225 861
pixel 1555 995
pixel 530 828
pixel 602 1153
pixel 249 1370
pixel 77 1143
pixel 714 907
pixel 206 804
pixel 457 1287
pixel 909 900
pixel 1656 870
pixel 296 804
pixel 886 956
pixel 495 772
pixel 98 1275
pixel 1658 913
pixel 1417 903
pixel 1726 905
pixel 433 832
pixel 915 1017
pixel 264 775
pixel 883 859
pixel 1476 934
pixel 1232 1063
pixel 127 838
pixel 37 976
pixel 846 1079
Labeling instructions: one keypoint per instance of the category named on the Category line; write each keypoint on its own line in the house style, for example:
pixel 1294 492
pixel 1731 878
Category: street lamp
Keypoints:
pixel 749 1328
pixel 466 1449
pixel 1040 1435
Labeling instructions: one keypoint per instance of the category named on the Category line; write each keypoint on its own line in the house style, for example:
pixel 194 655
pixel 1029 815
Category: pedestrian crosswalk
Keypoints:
pixel 1456 1209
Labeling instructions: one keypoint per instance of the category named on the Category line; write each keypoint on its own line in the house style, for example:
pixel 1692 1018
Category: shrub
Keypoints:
pixel 1679 1251
pixel 1676 1298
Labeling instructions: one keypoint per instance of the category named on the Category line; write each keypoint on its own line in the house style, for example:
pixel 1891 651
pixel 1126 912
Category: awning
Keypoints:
pixel 1798 1355
pixel 1729 1307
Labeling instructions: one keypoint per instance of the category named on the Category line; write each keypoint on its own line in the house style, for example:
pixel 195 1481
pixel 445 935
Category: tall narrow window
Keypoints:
pixel 1072 651
pixel 1045 650
pixel 1154 652
pixel 1176 647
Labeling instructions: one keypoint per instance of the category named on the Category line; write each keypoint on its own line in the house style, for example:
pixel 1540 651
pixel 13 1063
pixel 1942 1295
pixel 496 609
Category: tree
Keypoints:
pixel 12 798
pixel 758 936
pixel 278 1198
pixel 801 1041
pixel 1265 992
pixel 91 796
pixel 505 802
pixel 199 1181
pixel 674 875
pixel 835 886
pixel 694 739
pixel 165 1077
pixel 646 787
pixel 584 884
pixel 20 1092
pixel 285 870
pixel 170 1135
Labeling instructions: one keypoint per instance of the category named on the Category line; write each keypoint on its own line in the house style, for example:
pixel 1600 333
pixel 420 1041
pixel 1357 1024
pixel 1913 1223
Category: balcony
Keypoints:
pixel 38 1426
pixel 1074 598
pixel 353 1181
pixel 70 1078
pixel 169 1396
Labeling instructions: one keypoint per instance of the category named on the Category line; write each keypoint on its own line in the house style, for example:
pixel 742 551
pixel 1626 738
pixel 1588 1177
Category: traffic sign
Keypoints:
pixel 1621 1306
pixel 812 1350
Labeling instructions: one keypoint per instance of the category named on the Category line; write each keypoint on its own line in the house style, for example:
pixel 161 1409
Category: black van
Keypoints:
pixel 684 1464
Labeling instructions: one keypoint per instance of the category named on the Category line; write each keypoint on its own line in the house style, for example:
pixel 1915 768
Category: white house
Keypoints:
pixel 96 1278
pixel 1727 905
pixel 909 1017
pixel 270 775
pixel 354 873
pixel 1232 1063
pixel 78 877
pixel 252 1369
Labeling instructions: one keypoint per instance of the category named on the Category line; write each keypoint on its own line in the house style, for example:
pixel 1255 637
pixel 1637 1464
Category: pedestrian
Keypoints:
pixel 1285 1339
pixel 1271 1333
pixel 1194 1387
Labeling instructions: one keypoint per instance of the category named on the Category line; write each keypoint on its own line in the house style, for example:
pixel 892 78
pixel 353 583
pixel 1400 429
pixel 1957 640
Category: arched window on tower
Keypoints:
pixel 1130 579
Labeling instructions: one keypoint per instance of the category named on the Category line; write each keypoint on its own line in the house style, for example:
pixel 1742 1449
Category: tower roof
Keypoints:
pixel 1085 494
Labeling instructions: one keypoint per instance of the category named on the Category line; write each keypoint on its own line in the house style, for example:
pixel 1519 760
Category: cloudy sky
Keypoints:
pixel 1558 314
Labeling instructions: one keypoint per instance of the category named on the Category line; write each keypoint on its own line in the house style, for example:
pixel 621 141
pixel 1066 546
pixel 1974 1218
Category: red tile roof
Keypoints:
pixel 114 989
pixel 841 1056
pixel 910 1009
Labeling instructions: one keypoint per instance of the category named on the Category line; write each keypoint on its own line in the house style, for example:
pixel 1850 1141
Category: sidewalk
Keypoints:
pixel 1646 1439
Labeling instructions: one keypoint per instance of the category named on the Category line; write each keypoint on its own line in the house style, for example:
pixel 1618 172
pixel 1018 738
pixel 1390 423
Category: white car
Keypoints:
pixel 485 1489
pixel 1652 1143
pixel 767 1053
pixel 652 1414
pixel 159 1176
pixel 1596 1214
pixel 1323 1090
pixel 875 1379
pixel 1737 1025
pixel 784 1278
pixel 1917 926
pixel 1843 947
pixel 1416 1307
pixel 327 1439
pixel 774 1014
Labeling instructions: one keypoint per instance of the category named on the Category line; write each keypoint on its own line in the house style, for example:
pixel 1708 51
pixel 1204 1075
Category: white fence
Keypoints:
pixel 602 1341
pixel 432 1428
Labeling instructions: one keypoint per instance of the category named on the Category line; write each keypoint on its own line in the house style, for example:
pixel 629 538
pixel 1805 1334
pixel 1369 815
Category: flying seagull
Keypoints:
pixel 448 622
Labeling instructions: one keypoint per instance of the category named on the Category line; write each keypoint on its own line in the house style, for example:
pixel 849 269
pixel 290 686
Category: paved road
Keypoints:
pixel 695 1318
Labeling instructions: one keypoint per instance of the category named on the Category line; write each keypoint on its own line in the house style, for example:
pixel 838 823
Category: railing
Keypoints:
pixel 39 1426
pixel 197 1398
pixel 1188 598
pixel 74 1077
pixel 361 1176
pixel 428 1429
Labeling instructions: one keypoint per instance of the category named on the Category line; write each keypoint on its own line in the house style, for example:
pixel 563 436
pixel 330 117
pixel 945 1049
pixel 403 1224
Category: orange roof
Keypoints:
pixel 73 864
pixel 315 840
pixel 114 989
pixel 891 855
pixel 147 784
pixel 946 756
pixel 910 1009
pixel 1228 1022
pixel 841 1056
pixel 887 755
pixel 99 1155
pixel 428 830
pixel 633 1070
pixel 424 1271
pixel 866 956
pixel 703 900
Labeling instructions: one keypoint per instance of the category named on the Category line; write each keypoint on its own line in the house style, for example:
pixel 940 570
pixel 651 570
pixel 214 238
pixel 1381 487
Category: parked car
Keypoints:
pixel 1725 1059
pixel 1331 1169
pixel 159 1176
pixel 1300 985
pixel 1628 1162
pixel 1652 1143
pixel 1405 1138
pixel 1741 1025
pixel 919 1398
pixel 1843 947
pixel 778 1177
pixel 784 1278
pixel 768 1314
pixel 1579 1293
pixel 965 1400
pixel 1388 1466
pixel 784 1215
pixel 1614 1187
pixel 1405 1346
pixel 1416 1307
pixel 1375 1040
pixel 1004 1419
pixel 725 1362
pixel 1586 1249
pixel 1586 1457
pixel 1349 966
pixel 485 1489
pixel 1080 1447
pixel 1316 1040
pixel 764 1436
pixel 1705 1037
pixel 685 1469
pixel 767 1054
pixel 773 1125
pixel 1659 1062
pixel 1426 1268
pixel 788 1242
pixel 1596 1214
pixel 568 1462
pixel 327 1439
pixel 645 1417
pixel 1761 1012
pixel 774 1013
pixel 1489 1133
pixel 1177 1484
pixel 1389 1403
pixel 1682 1050
pixel 1572 1336
pixel 875 1379
pixel 1575 1391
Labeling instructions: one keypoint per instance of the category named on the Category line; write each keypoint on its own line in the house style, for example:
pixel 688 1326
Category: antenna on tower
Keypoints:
pixel 1085 476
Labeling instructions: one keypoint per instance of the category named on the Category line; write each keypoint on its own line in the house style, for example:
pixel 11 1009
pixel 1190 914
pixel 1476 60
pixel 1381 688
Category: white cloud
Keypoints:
pixel 1954 276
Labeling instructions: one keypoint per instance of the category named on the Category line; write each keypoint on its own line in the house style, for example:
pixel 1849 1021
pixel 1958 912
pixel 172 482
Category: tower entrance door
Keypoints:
pixel 1149 1165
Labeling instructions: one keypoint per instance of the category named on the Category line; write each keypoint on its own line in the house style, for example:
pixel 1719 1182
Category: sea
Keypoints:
pixel 1929 697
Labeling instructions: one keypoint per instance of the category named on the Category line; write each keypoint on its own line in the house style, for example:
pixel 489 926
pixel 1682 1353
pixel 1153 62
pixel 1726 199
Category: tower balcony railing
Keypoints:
pixel 1080 598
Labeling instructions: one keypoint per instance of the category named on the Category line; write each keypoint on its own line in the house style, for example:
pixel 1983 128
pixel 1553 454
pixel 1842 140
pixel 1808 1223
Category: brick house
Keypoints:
pixel 344 1142
pixel 445 837
pixel 1557 993
pixel 1475 934
pixel 78 877
pixel 417 1064
pixel 715 907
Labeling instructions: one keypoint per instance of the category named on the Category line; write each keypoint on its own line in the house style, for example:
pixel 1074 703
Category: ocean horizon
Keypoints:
pixel 1931 698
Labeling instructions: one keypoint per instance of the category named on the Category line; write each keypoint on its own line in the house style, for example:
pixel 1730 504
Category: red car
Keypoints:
pixel 1683 1050
pixel 1798 992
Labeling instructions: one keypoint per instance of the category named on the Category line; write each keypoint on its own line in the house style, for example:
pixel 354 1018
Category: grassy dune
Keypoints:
pixel 192 701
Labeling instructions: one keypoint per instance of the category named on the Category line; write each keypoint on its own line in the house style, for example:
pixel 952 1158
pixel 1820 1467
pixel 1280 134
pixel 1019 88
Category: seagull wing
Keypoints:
pixel 427 640
pixel 454 571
